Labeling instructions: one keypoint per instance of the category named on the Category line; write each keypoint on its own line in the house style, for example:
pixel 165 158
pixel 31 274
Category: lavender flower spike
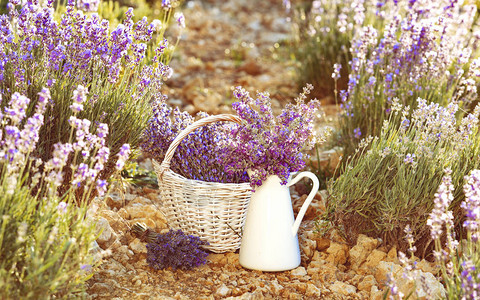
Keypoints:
pixel 122 156
pixel 79 97
pixel 440 214
pixel 88 5
pixel 180 19
pixel 471 205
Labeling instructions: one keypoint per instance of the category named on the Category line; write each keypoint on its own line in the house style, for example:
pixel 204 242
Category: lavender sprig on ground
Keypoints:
pixel 177 250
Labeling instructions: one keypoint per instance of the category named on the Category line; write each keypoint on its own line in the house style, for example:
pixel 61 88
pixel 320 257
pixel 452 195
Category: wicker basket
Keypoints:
pixel 213 211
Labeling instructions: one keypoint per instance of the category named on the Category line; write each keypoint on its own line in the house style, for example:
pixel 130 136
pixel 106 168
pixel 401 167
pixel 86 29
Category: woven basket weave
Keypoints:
pixel 213 211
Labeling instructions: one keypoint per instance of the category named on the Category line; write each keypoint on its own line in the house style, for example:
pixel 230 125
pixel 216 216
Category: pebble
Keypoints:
pixel 223 290
pixel 300 271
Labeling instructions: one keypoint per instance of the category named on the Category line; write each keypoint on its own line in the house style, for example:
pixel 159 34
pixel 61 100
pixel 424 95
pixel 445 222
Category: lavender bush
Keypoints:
pixel 461 272
pixel 422 37
pixel 459 261
pixel 36 51
pixel 45 237
pixel 267 144
pixel 177 250
pixel 391 180
pixel 322 32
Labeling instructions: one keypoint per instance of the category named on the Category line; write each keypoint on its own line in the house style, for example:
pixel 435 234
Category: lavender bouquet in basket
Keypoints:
pixel 267 144
pixel 222 152
pixel 199 155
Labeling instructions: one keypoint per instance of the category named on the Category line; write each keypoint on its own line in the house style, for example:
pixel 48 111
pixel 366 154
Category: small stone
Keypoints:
pixel 190 109
pixel 392 255
pixel 137 246
pixel 426 266
pixel 300 287
pixel 308 247
pixel 373 260
pixel 325 273
pixel 367 283
pixel 147 164
pixel 217 258
pixel 122 212
pixel 343 288
pixel 425 287
pixel 232 259
pixel 376 294
pixel 207 101
pixel 337 253
pixel 384 268
pixel 223 290
pixel 153 196
pixel 141 211
pixel 114 201
pixel 107 236
pixel 358 254
pixel 322 243
pixel 313 291
pixel 276 287
pixel 114 220
pixel 300 271
pixel 191 88
pixel 317 258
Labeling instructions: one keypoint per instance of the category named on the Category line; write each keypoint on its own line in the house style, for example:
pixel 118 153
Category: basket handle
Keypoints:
pixel 189 129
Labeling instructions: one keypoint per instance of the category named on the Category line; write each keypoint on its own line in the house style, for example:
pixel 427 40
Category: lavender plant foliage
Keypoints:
pixel 199 154
pixel 392 179
pixel 177 250
pixel 420 38
pixel 267 144
pixel 36 50
pixel 459 262
pixel 322 33
pixel 44 242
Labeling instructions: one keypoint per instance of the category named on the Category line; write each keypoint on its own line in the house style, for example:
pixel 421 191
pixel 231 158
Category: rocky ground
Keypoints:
pixel 225 44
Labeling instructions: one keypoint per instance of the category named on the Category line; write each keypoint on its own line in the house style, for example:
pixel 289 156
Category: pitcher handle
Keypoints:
pixel 309 199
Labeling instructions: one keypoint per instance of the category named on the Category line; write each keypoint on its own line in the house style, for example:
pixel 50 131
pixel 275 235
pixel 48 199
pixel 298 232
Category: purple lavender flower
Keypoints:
pixel 336 71
pixel 101 187
pixel 199 155
pixel 409 158
pixel 417 39
pixel 86 267
pixel 73 47
pixel 79 97
pixel 88 5
pixel 62 207
pixel 357 133
pixel 17 108
pixel 270 145
pixel 166 4
pixel 122 156
pixel 440 214
pixel 471 205
pixel 180 18
pixel 177 250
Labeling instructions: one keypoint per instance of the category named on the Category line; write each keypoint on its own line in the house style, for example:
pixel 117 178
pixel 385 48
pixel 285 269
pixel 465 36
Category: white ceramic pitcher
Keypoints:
pixel 270 241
